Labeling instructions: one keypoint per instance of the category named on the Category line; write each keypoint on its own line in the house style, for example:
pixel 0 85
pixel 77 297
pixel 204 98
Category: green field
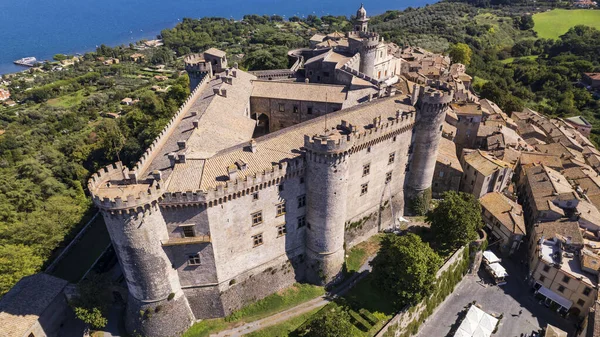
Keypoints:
pixel 552 24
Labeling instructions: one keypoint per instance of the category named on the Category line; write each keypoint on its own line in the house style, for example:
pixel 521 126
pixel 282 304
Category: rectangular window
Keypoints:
pixel 561 289
pixel 566 280
pixel 301 221
pixel 281 107
pixel 587 291
pixel 391 158
pixel 301 180
pixel 364 188
pixel 296 109
pixel 281 230
pixel 280 187
pixel 309 110
pixel 388 177
pixel 366 169
pixel 188 231
pixel 257 218
pixel 546 268
pixel 281 209
pixel 255 196
pixel 194 259
pixel 580 302
pixel 542 278
pixel 301 201
pixel 257 240
pixel 326 73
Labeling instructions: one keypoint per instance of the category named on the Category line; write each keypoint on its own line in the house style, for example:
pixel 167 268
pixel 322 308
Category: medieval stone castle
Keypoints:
pixel 263 179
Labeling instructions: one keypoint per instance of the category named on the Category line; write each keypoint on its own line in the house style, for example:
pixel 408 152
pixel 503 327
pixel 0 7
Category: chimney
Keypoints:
pixel 194 113
pixel 172 158
pixel 224 92
pixel 181 144
pixel 216 91
pixel 253 145
pixel 234 73
pixel 232 172
pixel 182 157
pixel 157 175
pixel 195 123
pixel 370 97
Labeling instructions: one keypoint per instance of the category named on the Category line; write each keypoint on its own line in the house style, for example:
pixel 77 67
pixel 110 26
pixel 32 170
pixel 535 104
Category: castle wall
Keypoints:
pixel 282 119
pixel 377 157
pixel 321 72
pixel 232 230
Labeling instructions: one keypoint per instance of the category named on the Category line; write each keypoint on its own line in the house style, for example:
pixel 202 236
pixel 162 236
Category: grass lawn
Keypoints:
pixel 84 252
pixel 67 101
pixel 290 297
pixel 359 254
pixel 552 24
pixel 513 59
pixel 286 328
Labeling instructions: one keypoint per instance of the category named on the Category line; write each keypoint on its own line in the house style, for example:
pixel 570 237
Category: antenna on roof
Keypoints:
pixel 326 112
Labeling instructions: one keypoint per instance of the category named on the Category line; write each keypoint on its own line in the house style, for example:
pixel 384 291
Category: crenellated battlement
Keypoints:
pixel 332 142
pixel 192 59
pixel 146 158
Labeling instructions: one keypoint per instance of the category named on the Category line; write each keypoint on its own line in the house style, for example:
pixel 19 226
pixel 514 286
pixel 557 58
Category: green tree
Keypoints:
pixel 93 300
pixel 405 268
pixel 456 220
pixel 331 323
pixel 460 53
pixel 16 261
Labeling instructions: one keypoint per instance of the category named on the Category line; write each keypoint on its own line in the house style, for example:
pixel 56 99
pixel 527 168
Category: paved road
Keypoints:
pixel 299 309
pixel 522 313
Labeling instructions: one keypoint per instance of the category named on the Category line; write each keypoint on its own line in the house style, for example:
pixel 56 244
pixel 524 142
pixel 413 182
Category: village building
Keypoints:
pixel 448 171
pixel 504 218
pixel 483 173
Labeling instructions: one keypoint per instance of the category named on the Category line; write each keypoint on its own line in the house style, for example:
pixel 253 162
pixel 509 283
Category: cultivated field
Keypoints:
pixel 552 24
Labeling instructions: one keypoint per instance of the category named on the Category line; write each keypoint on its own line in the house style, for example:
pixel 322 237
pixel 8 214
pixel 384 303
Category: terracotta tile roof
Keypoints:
pixel 483 162
pixel 215 52
pixel 508 212
pixel 285 144
pixel 299 91
pixel 447 154
pixel 562 229
pixel 532 158
pixel 467 109
pixel 21 307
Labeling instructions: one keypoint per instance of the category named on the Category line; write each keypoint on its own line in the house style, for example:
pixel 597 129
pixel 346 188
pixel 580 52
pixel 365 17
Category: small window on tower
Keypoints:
pixel 309 110
pixel 301 221
pixel 255 196
pixel 391 158
pixel 281 107
pixel 194 259
pixel 296 109
pixel 188 231
pixel 257 218
pixel 301 201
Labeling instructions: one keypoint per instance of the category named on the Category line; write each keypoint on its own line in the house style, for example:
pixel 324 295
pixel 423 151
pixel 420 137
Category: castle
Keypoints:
pixel 256 184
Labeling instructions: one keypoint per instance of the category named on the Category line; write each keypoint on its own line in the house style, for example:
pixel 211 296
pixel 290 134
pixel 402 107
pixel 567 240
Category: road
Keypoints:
pixel 521 312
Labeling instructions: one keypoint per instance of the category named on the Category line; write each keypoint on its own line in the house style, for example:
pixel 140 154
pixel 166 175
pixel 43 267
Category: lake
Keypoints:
pixel 43 28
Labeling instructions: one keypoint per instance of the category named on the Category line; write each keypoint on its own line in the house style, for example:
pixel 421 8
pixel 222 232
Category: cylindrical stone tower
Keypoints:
pixel 156 305
pixel 326 192
pixel 368 53
pixel 431 104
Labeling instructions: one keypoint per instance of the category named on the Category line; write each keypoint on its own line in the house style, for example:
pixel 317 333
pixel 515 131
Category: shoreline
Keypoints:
pixel 8 68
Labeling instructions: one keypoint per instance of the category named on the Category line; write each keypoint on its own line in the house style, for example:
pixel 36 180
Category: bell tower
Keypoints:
pixel 362 22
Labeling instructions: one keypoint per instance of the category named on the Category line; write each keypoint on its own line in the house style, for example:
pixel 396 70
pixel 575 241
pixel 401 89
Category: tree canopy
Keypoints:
pixel 330 323
pixel 456 220
pixel 405 267
pixel 460 53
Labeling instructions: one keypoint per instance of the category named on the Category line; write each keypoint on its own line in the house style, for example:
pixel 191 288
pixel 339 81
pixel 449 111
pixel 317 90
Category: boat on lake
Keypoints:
pixel 26 61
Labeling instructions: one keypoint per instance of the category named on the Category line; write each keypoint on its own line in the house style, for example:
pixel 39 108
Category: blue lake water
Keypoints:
pixel 42 28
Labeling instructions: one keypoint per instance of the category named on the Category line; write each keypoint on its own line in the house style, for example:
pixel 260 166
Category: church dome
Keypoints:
pixel 361 13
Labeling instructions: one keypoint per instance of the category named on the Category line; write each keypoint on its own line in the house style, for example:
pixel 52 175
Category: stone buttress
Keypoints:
pixel 156 304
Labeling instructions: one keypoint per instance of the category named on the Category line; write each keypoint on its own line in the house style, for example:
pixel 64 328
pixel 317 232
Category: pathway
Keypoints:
pixel 299 309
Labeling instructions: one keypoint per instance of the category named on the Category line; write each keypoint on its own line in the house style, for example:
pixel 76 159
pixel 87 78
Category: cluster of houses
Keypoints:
pixel 537 180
